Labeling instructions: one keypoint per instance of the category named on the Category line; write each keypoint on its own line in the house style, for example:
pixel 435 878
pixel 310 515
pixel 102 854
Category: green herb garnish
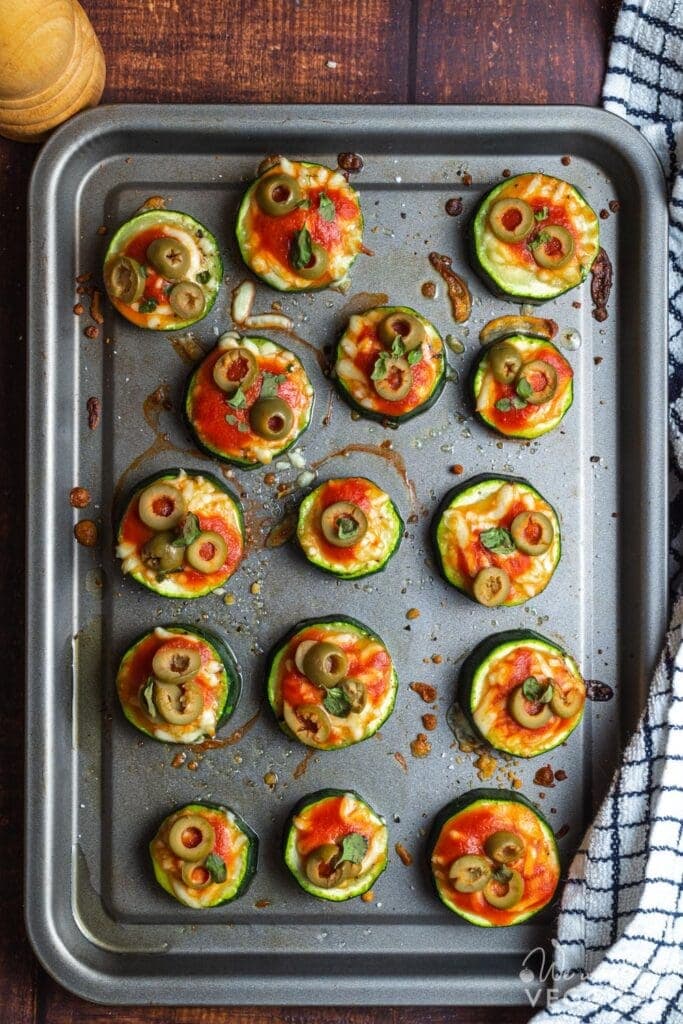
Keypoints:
pixel 148 306
pixel 147 694
pixel 238 400
pixel 398 348
pixel 327 207
pixel 302 249
pixel 215 865
pixel 336 702
pixel 203 277
pixel 541 214
pixel 414 356
pixel 346 527
pixel 537 692
pixel 379 370
pixel 540 239
pixel 515 402
pixel 189 531
pixel 498 539
pixel 524 389
pixel 353 848
pixel 270 384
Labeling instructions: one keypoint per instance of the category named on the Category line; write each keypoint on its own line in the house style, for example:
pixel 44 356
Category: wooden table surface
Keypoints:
pixel 253 51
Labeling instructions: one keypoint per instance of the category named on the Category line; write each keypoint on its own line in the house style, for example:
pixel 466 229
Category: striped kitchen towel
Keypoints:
pixel 619 951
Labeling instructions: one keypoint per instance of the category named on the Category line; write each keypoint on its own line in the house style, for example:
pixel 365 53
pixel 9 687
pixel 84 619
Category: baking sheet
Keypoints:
pixel 96 788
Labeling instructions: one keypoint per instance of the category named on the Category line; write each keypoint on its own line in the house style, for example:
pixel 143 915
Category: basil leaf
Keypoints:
pixel 498 539
pixel 147 695
pixel 270 384
pixel 203 277
pixel 354 846
pixel 302 249
pixel 243 427
pixel 189 531
pixel 148 306
pixel 540 239
pixel 547 694
pixel 379 370
pixel 238 400
pixel 232 420
pixel 336 702
pixel 215 865
pixel 397 346
pixel 414 356
pixel 346 527
pixel 533 690
pixel 524 388
pixel 503 405
pixel 327 207
pixel 541 214
pixel 518 403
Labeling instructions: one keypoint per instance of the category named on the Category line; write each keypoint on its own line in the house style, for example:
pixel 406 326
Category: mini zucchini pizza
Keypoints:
pixel 493 858
pixel 163 270
pixel 248 401
pixel 181 534
pixel 522 386
pixel 335 845
pixel 390 364
pixel 522 693
pixel 204 855
pixel 178 684
pixel 300 226
pixel 331 682
pixel 534 237
pixel 349 527
pixel 497 540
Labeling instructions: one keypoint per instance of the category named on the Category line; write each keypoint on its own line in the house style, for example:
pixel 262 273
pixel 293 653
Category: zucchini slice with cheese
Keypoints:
pixel 204 855
pixel 300 226
pixel 497 540
pixel 335 845
pixel 181 534
pixel 493 858
pixel 248 401
pixel 522 386
pixel 163 270
pixel 331 682
pixel 178 684
pixel 522 693
pixel 534 237
pixel 349 526
pixel 390 364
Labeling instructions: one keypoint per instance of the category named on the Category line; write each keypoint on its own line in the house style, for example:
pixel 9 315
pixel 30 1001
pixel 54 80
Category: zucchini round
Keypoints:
pixel 486 507
pixel 216 511
pixel 333 717
pixel 496 669
pixel 509 268
pixel 464 828
pixel 220 422
pixel 324 228
pixel 218 678
pixel 151 307
pixel 380 539
pixel 364 362
pixel 223 875
pixel 502 407
pixel 356 838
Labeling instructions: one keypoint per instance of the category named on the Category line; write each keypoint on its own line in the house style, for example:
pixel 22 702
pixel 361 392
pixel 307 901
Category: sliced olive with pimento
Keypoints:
pixel 392 377
pixel 236 368
pixel 124 278
pixel 529 712
pixel 511 220
pixel 325 664
pixel 552 247
pixel 505 888
pixel 404 326
pixel 470 873
pixel 567 702
pixel 322 868
pixel 179 704
pixel 161 554
pixel 173 664
pixel 536 382
pixel 532 532
pixel 271 418
pixel 311 719
pixel 170 257
pixel 505 362
pixel 343 524
pixel 356 694
pixel 195 876
pixel 191 837
pixel 504 847
pixel 491 586
pixel 187 300
pixel 161 506
pixel 207 553
pixel 278 194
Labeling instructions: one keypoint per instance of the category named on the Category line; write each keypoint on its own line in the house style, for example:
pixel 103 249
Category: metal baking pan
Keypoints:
pixel 96 789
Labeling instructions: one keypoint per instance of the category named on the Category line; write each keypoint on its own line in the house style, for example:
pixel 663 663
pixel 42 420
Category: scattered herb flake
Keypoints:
pixel 541 214
pixel 524 388
pixel 397 346
pixel 238 400
pixel 336 702
pixel 189 531
pixel 536 691
pixel 353 848
pixel 414 356
pixel 215 865
pixel 379 370
pixel 327 207
pixel 203 277
pixel 148 698
pixel 148 306
pixel 498 539
pixel 540 239
pixel 270 384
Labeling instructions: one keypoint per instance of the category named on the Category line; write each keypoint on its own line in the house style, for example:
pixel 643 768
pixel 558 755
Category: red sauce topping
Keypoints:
pixel 324 824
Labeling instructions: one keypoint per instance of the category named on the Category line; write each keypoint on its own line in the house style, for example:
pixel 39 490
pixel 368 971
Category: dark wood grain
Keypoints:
pixel 381 51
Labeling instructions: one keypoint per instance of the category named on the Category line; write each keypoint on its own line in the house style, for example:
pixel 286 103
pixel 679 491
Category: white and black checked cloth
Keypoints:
pixel 621 923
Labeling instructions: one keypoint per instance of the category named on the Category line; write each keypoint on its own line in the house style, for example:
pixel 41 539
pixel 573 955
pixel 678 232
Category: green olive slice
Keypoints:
pixel 311 720
pixel 187 300
pixel 300 653
pixel 161 506
pixel 172 664
pixel 504 894
pixel 325 664
pixel 540 382
pixel 343 524
pixel 207 553
pixel 511 220
pixel 317 265
pixel 404 326
pixel 170 257
pixel 271 418
pixel 532 532
pixel 469 873
pixel 191 837
pixel 396 380
pixel 552 247
pixel 491 586
pixel 505 362
pixel 195 876
pixel 236 368
pixel 322 868
pixel 179 704
pixel 278 194
pixel 528 714
pixel 355 693
pixel 569 702
pixel 504 847
pixel 124 279
pixel 160 553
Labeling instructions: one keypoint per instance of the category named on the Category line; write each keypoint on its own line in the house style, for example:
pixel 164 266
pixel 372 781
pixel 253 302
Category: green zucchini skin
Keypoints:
pixel 397 536
pixel 233 689
pixel 488 796
pixel 448 500
pixel 148 219
pixel 250 866
pixel 290 858
pixel 170 474
pixel 337 620
pixel 477 659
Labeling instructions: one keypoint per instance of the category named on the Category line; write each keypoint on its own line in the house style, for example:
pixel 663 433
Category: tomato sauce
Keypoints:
pixel 323 823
